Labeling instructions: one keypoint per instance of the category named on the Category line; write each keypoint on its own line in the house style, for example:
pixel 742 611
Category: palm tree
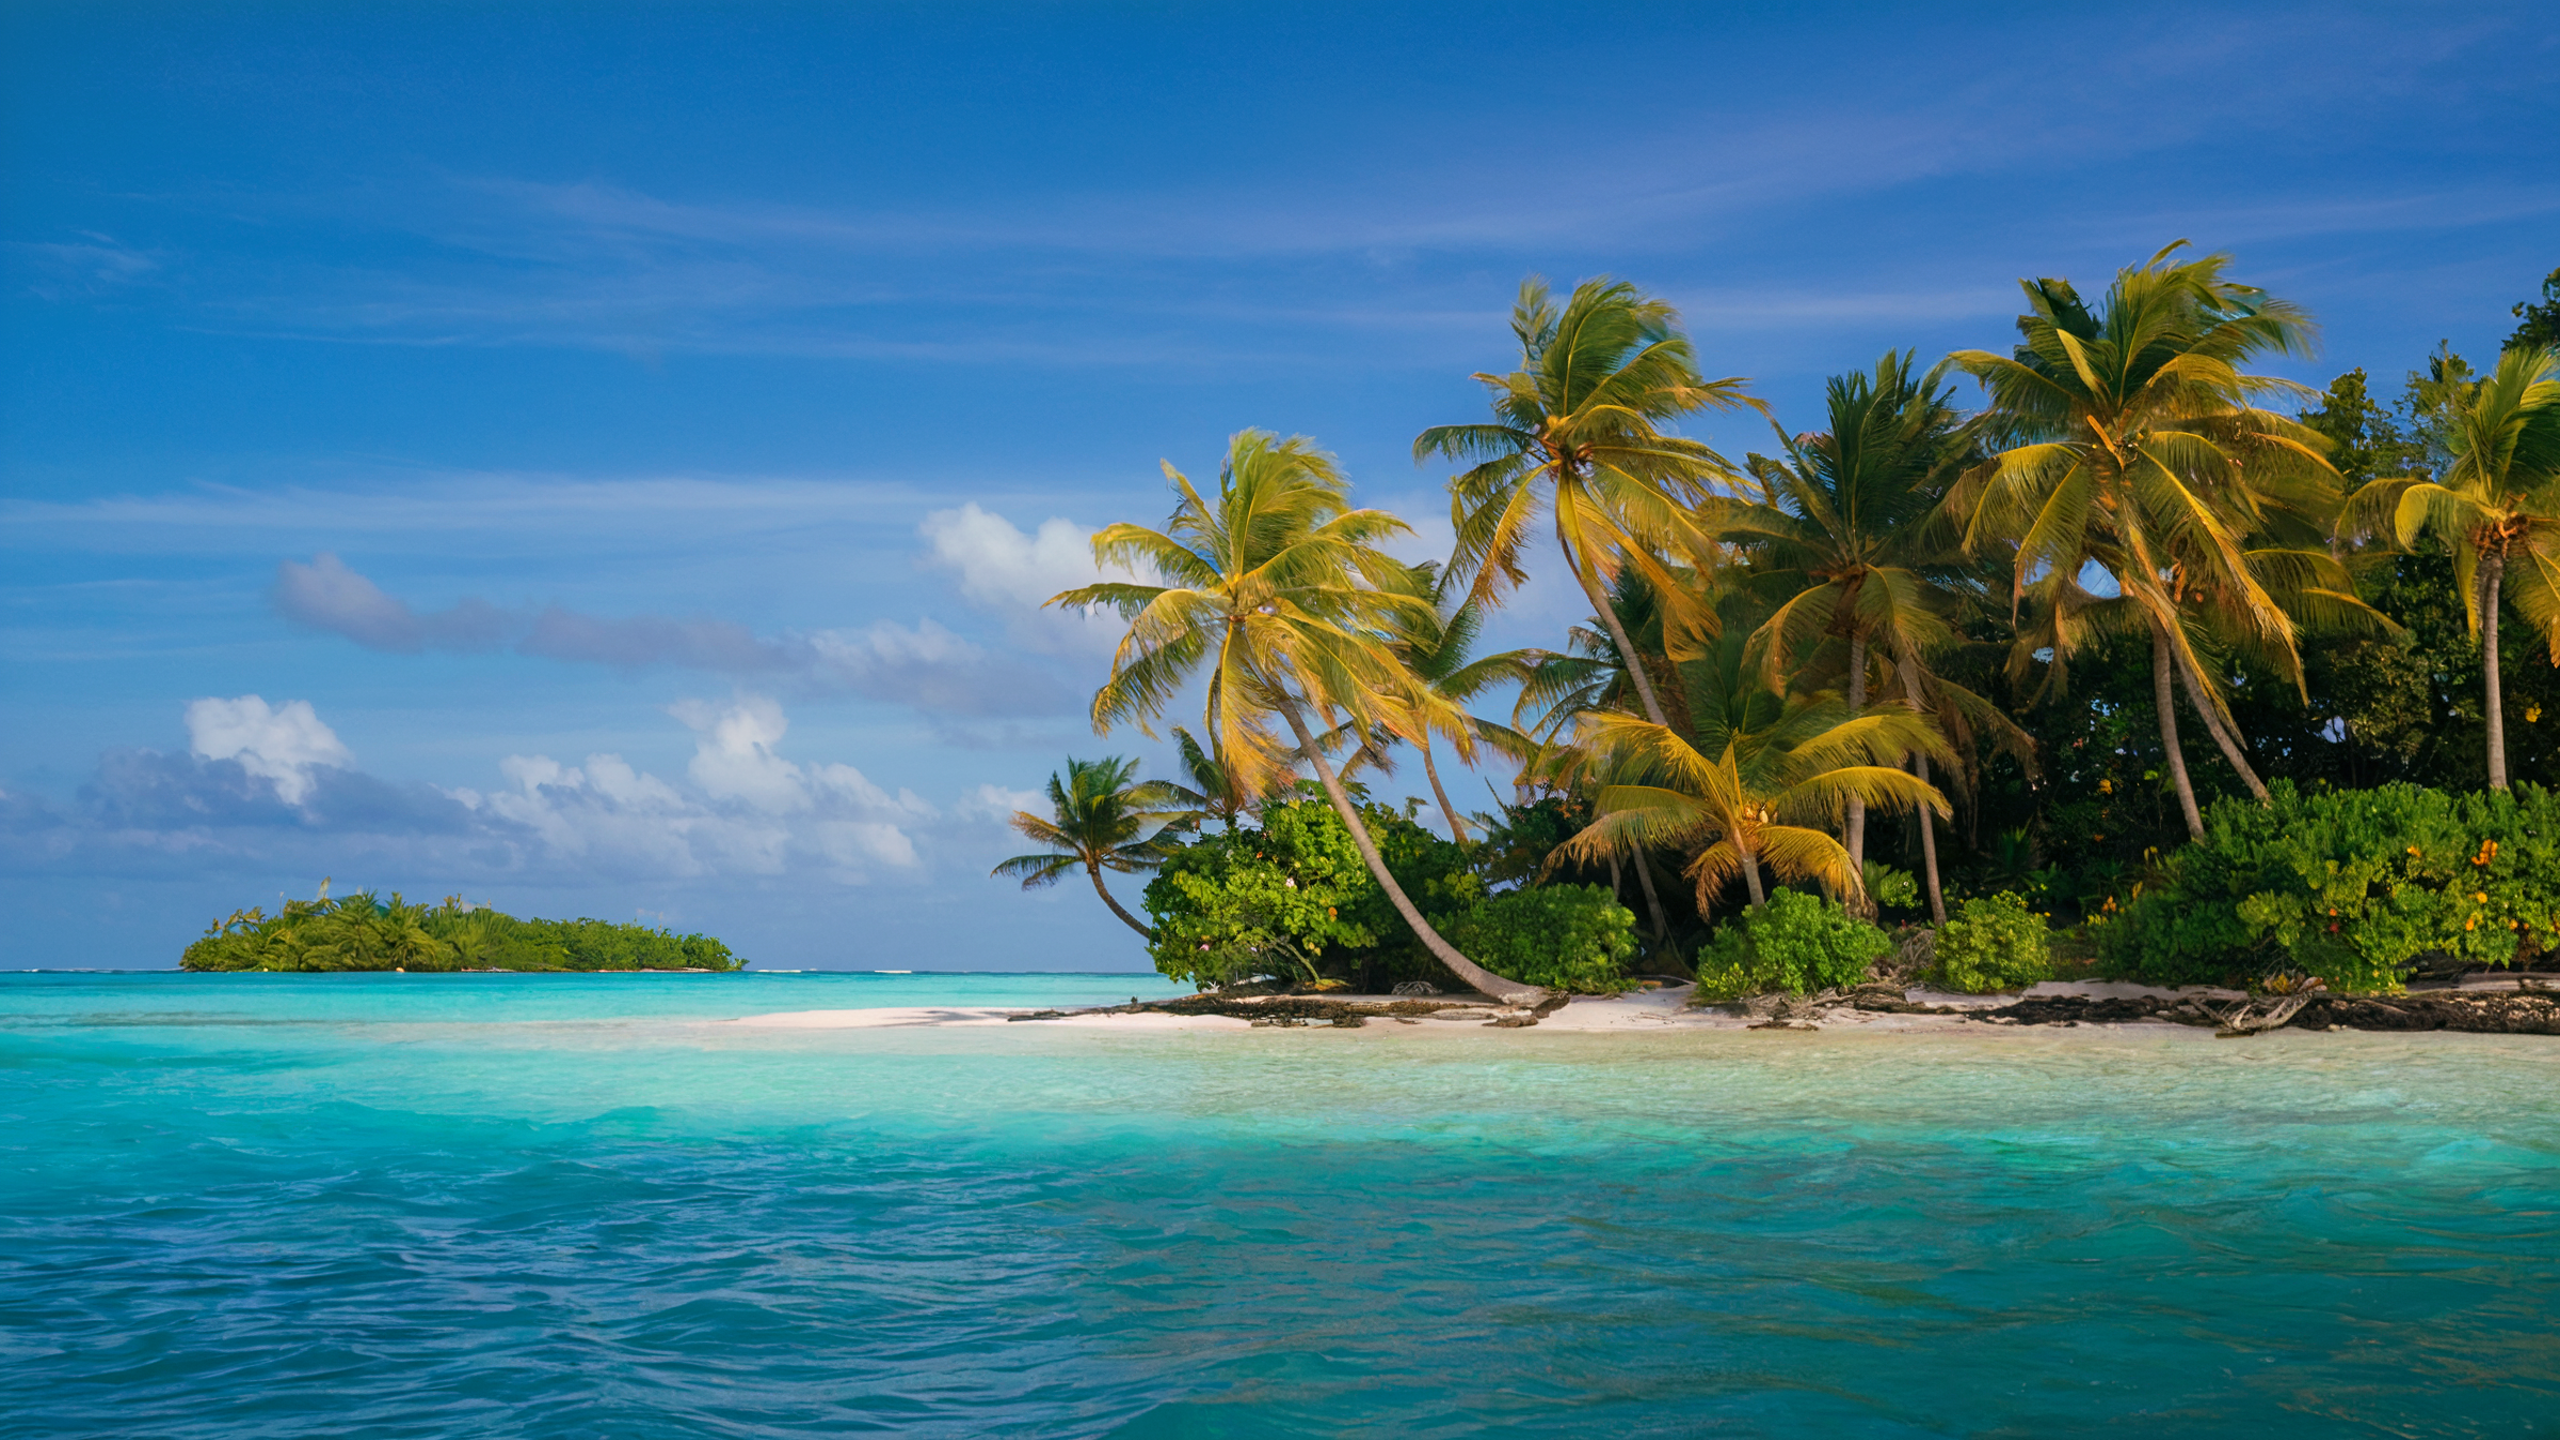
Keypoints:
pixel 1210 792
pixel 1761 800
pixel 1576 430
pixel 1278 592
pixel 1436 647
pixel 1102 817
pixel 2144 453
pixel 2498 506
pixel 1852 543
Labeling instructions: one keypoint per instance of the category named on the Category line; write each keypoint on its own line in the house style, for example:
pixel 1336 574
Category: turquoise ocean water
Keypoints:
pixel 571 1206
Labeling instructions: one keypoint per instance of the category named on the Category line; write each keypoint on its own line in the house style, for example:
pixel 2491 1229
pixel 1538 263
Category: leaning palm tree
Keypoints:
pixel 1850 540
pixel 1102 817
pixel 1576 430
pixel 2497 507
pixel 1276 596
pixel 1436 648
pixel 2143 452
pixel 1757 799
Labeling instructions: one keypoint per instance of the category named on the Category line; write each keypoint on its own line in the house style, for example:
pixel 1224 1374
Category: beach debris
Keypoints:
pixel 1037 1015
pixel 2247 1019
pixel 1415 987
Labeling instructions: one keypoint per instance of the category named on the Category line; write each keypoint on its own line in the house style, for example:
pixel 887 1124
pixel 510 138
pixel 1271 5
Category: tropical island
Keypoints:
pixel 361 931
pixel 1911 697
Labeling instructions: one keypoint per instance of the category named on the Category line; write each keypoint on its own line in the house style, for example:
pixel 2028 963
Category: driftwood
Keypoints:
pixel 2476 1012
pixel 1294 1010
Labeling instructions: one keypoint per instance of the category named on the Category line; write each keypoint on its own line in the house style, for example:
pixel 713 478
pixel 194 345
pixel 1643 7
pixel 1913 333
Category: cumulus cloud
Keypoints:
pixel 282 745
pixel 924 665
pixel 748 809
pixel 1012 574
pixel 272 788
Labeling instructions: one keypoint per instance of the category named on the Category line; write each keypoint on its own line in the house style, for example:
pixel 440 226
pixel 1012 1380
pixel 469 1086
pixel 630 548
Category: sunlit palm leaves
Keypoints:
pixel 1748 798
pixel 1576 434
pixel 1277 600
pixel 1847 537
pixel 2140 447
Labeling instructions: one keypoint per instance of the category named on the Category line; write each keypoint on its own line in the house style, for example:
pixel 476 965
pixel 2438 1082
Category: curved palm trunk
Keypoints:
pixel 2222 736
pixel 2493 568
pixel 1618 636
pixel 2164 699
pixel 1446 953
pixel 1652 901
pixel 1853 834
pixel 1457 827
pixel 1125 917
pixel 1928 822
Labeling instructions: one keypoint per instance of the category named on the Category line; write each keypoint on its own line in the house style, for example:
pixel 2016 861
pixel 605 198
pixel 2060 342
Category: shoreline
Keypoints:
pixel 2502 1006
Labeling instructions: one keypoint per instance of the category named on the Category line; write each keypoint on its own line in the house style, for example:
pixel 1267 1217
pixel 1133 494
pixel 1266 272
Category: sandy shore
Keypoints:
pixel 1645 1010
pixel 1664 1009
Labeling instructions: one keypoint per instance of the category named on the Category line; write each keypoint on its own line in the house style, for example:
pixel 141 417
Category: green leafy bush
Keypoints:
pixel 1292 899
pixel 1798 943
pixel 2356 887
pixel 1994 944
pixel 1890 888
pixel 1564 937
pixel 361 932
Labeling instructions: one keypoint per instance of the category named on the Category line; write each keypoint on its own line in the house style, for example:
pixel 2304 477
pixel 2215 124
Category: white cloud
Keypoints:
pixel 997 803
pixel 281 745
pixel 1012 574
pixel 748 809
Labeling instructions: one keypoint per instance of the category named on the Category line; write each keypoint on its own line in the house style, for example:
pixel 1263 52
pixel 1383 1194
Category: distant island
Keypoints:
pixel 361 932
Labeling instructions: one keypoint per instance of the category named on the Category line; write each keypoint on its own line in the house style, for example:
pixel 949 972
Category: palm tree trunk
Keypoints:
pixel 1910 669
pixel 1125 917
pixel 2493 568
pixel 2222 736
pixel 1457 827
pixel 1751 878
pixel 1447 954
pixel 1618 636
pixel 1652 901
pixel 2164 699
pixel 1853 834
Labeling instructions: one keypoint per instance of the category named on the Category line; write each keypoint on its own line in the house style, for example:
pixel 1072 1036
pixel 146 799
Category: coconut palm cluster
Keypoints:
pixel 1861 627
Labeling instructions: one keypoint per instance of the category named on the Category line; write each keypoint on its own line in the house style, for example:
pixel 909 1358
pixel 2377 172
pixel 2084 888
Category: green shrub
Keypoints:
pixel 1994 944
pixel 1292 899
pixel 1891 889
pixel 1564 937
pixel 1798 943
pixel 2353 886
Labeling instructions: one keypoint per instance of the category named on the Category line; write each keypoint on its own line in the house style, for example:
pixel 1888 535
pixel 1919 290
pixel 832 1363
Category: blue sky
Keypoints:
pixel 606 459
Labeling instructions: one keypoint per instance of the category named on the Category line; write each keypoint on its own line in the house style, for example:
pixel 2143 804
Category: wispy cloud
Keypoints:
pixel 925 666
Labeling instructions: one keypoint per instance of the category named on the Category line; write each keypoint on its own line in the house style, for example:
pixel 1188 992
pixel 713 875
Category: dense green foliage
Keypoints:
pixel 1880 662
pixel 1994 944
pixel 360 932
pixel 1564 937
pixel 1291 899
pixel 2356 887
pixel 1798 943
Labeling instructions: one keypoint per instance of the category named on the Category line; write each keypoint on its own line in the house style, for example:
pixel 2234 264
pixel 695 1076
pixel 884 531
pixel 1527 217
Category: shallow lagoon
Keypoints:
pixel 577 1206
